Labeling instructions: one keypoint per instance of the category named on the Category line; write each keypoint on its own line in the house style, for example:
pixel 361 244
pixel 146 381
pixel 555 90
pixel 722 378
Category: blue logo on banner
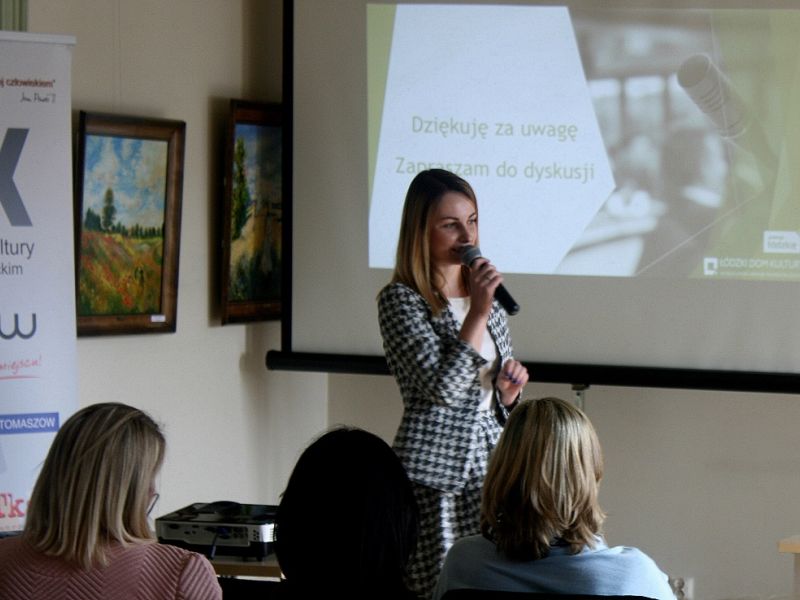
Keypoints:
pixel 29 423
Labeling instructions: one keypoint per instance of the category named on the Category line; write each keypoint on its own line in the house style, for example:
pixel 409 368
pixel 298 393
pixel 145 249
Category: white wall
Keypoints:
pixel 233 429
pixel 705 482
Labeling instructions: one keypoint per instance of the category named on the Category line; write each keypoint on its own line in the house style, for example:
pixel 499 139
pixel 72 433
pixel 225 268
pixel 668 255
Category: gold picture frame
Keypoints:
pixel 128 191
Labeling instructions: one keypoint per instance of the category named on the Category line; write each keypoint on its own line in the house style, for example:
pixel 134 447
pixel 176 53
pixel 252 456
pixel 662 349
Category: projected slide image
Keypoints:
pixel 497 95
pixel 611 143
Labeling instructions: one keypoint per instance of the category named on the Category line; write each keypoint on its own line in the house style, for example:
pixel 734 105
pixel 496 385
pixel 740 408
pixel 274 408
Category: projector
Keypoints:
pixel 220 528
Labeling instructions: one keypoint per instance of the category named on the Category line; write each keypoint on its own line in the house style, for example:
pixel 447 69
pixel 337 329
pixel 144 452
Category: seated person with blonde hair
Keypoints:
pixel 540 517
pixel 87 536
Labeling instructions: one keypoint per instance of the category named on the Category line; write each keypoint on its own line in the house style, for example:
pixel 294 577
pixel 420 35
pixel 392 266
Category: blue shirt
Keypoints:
pixel 474 562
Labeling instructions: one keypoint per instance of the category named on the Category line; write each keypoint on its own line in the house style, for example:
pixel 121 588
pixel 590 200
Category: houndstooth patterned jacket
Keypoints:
pixel 438 378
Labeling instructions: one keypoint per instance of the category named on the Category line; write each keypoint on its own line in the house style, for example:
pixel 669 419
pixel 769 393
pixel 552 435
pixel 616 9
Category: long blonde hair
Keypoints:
pixel 95 484
pixel 413 264
pixel 542 482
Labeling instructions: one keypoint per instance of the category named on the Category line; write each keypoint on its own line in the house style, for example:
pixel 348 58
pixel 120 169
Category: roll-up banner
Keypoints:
pixel 38 382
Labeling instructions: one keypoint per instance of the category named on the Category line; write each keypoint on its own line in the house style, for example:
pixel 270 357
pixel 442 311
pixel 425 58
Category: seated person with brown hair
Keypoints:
pixel 347 521
pixel 540 517
pixel 87 536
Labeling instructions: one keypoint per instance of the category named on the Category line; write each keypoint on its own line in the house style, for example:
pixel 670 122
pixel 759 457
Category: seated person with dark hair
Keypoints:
pixel 540 518
pixel 347 522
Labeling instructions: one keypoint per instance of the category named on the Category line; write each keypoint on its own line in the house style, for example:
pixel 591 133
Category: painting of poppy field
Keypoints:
pixel 122 229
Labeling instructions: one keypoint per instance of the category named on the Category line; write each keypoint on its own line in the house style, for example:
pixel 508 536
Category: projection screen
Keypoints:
pixel 635 165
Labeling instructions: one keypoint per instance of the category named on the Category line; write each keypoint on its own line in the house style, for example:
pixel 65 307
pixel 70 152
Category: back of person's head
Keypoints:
pixel 347 520
pixel 542 481
pixel 413 263
pixel 95 484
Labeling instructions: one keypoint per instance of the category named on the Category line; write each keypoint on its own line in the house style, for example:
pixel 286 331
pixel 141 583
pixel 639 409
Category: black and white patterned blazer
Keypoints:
pixel 438 376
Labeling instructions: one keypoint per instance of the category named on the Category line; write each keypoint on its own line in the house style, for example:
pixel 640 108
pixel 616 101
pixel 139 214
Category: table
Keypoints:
pixel 791 545
pixel 236 566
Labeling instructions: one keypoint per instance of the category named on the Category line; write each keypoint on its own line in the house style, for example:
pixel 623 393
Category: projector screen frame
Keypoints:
pixel 576 374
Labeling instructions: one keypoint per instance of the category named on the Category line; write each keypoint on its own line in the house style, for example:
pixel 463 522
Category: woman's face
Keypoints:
pixel 453 224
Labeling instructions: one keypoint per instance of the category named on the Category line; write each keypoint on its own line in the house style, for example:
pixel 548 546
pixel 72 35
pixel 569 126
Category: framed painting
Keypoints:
pixel 252 207
pixel 128 188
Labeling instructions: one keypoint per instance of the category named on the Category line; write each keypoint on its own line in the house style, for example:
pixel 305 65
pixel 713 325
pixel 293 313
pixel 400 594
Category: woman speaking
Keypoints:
pixel 447 343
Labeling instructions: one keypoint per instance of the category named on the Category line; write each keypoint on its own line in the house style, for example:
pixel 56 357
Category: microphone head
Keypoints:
pixel 711 91
pixel 469 253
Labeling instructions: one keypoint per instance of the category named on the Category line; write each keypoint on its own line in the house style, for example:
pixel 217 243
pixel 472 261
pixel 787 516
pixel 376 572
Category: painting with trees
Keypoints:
pixel 128 196
pixel 252 214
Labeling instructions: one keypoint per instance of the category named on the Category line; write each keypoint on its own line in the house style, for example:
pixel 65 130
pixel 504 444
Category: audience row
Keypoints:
pixel 347 522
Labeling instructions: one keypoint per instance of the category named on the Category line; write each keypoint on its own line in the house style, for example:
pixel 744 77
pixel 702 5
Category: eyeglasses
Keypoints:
pixel 153 501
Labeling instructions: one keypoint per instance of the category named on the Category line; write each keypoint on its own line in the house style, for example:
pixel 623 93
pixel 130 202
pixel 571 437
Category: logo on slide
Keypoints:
pixel 10 199
pixel 710 265
pixel 781 242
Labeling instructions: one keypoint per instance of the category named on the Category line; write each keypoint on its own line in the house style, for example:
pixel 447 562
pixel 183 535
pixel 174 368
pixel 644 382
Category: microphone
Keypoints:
pixel 713 94
pixel 468 255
